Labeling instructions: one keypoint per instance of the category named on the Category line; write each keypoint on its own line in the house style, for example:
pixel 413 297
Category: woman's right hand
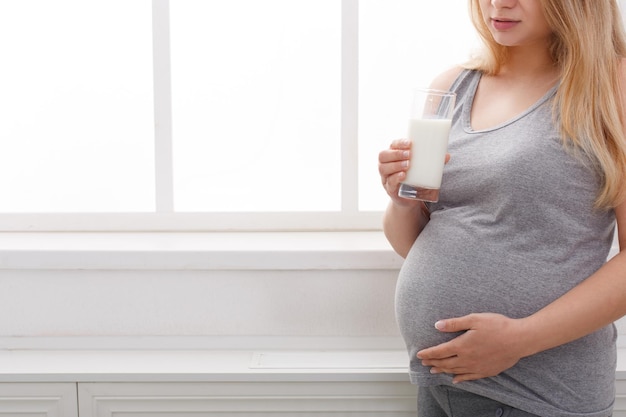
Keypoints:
pixel 393 164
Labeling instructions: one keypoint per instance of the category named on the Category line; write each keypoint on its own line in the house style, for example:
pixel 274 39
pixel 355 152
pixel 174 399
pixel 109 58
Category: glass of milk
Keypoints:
pixel 429 128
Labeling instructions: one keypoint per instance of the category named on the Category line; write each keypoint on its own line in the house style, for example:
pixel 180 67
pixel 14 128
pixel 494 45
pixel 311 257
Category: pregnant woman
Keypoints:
pixel 506 299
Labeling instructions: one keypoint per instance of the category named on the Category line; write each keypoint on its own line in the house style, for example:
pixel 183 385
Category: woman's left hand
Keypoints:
pixel 491 343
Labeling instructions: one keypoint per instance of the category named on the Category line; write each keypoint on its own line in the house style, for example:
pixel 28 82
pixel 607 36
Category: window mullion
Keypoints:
pixel 164 181
pixel 349 105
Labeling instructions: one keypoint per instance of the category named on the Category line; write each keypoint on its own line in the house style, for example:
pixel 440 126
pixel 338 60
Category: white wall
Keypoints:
pixel 285 285
pixel 178 302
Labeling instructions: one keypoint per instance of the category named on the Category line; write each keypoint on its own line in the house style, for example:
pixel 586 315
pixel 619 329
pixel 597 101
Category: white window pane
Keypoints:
pixel 76 132
pixel 403 44
pixel 256 105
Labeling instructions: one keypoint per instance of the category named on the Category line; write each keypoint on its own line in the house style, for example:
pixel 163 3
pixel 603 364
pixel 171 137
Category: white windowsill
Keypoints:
pixel 197 251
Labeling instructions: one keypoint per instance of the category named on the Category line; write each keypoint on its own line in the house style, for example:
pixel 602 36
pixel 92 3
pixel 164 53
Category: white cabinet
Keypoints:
pixel 254 399
pixel 205 383
pixel 38 399
pixel 209 399
pixel 202 383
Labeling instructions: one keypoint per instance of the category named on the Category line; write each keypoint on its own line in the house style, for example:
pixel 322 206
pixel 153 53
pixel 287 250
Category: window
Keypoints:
pixel 76 132
pixel 195 114
pixel 256 105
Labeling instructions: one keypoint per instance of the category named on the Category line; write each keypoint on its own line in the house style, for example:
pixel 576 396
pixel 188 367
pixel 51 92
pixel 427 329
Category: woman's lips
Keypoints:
pixel 503 24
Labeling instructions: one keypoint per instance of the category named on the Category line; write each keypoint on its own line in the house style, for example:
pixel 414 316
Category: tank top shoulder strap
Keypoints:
pixel 464 86
pixel 466 82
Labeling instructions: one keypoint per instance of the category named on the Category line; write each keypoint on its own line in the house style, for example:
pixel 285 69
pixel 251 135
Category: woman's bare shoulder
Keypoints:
pixel 445 80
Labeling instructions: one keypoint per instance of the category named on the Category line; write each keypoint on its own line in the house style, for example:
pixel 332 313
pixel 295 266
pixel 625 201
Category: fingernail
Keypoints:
pixel 405 164
pixel 405 154
pixel 440 325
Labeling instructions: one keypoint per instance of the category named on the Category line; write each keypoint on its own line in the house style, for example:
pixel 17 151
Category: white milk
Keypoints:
pixel 428 151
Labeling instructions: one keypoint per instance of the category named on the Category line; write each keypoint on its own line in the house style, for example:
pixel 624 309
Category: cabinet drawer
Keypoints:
pixel 238 399
pixel 38 399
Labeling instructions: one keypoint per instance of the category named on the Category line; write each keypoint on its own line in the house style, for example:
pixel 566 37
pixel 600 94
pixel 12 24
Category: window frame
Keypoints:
pixel 164 218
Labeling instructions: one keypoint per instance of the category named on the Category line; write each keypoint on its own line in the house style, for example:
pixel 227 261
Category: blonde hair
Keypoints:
pixel 587 45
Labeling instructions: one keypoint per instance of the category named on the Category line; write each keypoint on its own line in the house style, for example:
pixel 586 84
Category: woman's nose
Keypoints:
pixel 503 4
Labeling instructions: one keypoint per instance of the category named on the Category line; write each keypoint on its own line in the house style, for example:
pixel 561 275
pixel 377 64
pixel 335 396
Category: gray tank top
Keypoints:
pixel 514 229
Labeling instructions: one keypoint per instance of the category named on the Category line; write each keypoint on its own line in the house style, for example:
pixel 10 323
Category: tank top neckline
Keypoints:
pixel 468 104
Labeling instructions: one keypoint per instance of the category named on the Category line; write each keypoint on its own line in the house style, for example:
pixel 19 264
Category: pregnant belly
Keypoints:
pixel 422 298
pixel 449 278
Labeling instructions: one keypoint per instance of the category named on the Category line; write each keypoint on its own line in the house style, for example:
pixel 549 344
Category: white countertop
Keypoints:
pixel 210 366
pixel 200 366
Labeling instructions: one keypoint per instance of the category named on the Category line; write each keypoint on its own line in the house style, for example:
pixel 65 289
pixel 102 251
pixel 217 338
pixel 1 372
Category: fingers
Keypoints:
pixel 448 349
pixel 460 374
pixel 440 352
pixel 393 163
pixel 392 173
pixel 447 367
pixel 398 151
pixel 457 324
pixel 456 367
pixel 395 160
pixel 400 144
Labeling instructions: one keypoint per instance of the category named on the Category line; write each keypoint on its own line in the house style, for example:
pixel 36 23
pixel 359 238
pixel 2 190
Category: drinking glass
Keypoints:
pixel 429 129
